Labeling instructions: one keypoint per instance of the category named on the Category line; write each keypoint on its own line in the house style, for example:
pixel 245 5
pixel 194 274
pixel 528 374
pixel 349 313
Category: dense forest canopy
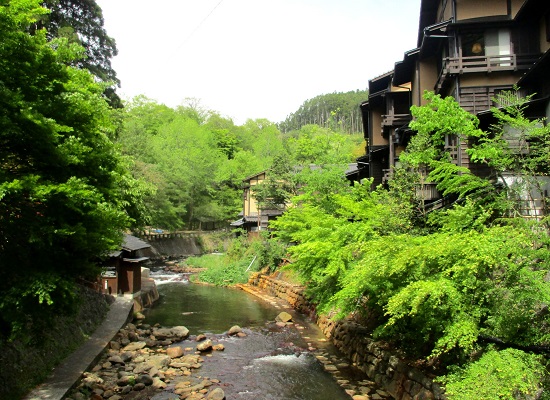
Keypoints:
pixel 339 111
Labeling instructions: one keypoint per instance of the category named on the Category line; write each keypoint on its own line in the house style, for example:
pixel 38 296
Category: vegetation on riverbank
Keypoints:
pixel 26 364
pixel 244 255
pixel 453 287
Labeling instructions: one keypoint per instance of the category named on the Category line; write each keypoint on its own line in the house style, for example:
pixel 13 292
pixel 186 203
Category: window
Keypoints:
pixel 492 42
pixel 473 45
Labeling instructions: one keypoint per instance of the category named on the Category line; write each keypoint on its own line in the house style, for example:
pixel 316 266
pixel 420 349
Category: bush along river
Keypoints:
pixel 207 342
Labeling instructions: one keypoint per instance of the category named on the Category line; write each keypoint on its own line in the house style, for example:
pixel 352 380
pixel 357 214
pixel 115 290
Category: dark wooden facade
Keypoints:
pixel 468 50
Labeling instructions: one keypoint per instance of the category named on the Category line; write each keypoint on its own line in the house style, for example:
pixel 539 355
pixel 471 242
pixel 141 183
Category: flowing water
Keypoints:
pixel 271 362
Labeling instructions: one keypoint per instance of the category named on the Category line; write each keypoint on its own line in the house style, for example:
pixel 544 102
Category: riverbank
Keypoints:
pixel 400 380
pixel 142 362
pixel 27 363
pixel 149 362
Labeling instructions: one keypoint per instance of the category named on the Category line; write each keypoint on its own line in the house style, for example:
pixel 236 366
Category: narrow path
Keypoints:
pixel 66 374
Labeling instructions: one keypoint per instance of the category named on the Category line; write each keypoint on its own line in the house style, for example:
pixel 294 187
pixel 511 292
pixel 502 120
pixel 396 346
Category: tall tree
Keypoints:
pixel 65 192
pixel 81 22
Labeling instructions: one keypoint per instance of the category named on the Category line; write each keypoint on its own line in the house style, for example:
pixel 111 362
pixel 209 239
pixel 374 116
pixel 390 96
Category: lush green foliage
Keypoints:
pixel 435 283
pixel 81 22
pixel 196 160
pixel 65 192
pixel 219 270
pixel 507 374
pixel 244 255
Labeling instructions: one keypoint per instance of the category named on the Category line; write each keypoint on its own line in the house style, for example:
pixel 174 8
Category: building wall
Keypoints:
pixel 516 6
pixel 428 76
pixel 543 40
pixel 250 203
pixel 445 11
pixel 416 94
pixel 468 9
pixel 376 129
pixel 483 79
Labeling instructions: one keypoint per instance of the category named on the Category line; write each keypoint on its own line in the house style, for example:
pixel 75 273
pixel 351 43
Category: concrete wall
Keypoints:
pixel 380 364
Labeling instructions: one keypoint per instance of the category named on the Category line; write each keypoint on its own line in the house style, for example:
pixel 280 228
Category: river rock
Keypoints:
pixel 158 383
pixel 142 367
pixel 177 332
pixel 139 316
pixel 145 379
pixel 115 360
pixel 216 394
pixel 200 338
pixel 125 380
pixel 234 330
pixel 159 361
pixel 126 356
pixel 218 347
pixel 205 345
pixel 174 352
pixel 284 317
pixel 134 346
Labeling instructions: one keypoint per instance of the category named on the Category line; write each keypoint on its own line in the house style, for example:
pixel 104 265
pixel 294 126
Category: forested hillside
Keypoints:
pixel 338 110
pixel 194 160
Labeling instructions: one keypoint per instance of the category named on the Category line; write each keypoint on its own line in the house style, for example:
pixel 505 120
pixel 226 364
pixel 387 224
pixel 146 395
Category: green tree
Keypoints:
pixel 81 22
pixel 65 192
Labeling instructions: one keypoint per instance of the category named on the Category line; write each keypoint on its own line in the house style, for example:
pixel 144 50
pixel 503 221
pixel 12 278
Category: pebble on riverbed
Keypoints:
pixel 142 361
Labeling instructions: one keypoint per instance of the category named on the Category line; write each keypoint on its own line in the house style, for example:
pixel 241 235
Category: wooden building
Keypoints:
pixel 466 49
pixel 254 218
pixel 122 275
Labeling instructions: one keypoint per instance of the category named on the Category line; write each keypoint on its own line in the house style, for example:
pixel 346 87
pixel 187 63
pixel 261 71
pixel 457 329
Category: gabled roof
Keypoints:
pixel 132 243
pixel 255 175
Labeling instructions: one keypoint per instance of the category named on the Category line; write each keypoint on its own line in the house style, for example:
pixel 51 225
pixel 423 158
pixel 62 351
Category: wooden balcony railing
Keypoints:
pixel 427 192
pixel 509 62
pixel 395 119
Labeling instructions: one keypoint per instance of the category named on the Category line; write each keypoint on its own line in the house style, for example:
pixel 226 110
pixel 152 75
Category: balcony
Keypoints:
pixel 427 192
pixel 397 120
pixel 508 62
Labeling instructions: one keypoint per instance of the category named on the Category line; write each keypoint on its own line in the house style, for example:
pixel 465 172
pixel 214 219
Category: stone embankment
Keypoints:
pixel 383 366
pixel 148 294
pixel 142 361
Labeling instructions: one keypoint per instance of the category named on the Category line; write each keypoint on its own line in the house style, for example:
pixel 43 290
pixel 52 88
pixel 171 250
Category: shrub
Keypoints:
pixel 506 374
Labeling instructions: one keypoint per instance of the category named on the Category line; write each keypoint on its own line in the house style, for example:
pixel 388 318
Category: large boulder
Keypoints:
pixel 216 394
pixel 134 346
pixel 234 330
pixel 176 332
pixel 174 352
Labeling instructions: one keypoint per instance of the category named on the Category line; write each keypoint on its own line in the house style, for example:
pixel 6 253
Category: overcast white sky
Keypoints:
pixel 255 58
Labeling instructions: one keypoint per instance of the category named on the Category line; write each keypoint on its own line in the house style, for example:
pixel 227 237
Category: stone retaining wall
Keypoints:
pixel 380 365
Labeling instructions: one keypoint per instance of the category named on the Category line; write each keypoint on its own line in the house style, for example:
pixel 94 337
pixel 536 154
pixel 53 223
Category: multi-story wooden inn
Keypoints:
pixel 468 49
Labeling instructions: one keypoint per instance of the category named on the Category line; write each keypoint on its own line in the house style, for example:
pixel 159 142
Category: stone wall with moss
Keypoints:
pixel 26 363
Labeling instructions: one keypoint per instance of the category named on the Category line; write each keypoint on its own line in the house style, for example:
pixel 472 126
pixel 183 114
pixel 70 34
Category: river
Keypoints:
pixel 272 361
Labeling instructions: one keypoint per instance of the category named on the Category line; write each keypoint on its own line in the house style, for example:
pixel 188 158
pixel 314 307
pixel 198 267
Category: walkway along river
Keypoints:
pixel 265 359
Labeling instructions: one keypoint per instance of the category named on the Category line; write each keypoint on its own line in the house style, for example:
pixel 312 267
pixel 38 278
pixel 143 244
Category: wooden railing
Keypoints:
pixel 427 192
pixel 508 62
pixel 395 119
